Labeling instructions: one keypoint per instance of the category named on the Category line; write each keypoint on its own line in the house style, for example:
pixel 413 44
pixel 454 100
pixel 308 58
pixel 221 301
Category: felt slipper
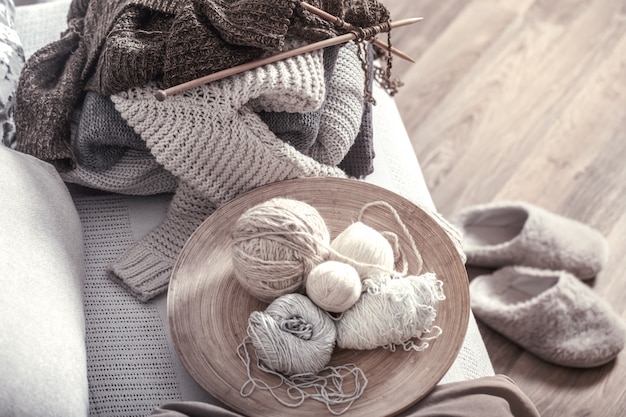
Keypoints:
pixel 518 233
pixel 549 313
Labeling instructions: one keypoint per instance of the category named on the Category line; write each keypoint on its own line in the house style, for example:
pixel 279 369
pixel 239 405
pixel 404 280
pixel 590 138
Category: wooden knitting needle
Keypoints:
pixel 163 94
pixel 347 26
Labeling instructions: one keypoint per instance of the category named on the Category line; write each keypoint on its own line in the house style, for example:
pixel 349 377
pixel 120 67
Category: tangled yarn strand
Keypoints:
pixel 293 340
pixel 326 387
pixel 405 230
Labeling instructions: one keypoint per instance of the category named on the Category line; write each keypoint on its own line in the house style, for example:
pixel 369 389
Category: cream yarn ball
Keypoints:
pixel 275 246
pixel 365 245
pixel 334 286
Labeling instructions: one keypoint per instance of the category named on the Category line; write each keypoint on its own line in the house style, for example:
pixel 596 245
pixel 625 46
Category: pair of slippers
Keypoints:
pixel 536 298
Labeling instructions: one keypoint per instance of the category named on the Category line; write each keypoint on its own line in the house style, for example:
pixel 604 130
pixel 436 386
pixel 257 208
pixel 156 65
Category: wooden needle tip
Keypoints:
pixel 160 95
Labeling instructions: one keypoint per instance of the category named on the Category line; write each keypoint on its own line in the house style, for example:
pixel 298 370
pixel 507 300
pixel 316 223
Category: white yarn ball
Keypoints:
pixel 275 246
pixel 334 286
pixel 365 245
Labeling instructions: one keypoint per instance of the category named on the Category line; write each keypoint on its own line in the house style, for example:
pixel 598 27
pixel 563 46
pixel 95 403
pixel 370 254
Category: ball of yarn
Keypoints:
pixel 334 286
pixel 365 245
pixel 293 336
pixel 391 311
pixel 275 246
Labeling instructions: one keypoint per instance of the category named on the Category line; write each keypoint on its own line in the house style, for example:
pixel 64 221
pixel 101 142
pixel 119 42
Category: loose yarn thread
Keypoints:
pixel 281 336
pixel 391 236
pixel 392 311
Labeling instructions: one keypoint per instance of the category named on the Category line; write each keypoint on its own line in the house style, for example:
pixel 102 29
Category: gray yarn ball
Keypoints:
pixel 293 336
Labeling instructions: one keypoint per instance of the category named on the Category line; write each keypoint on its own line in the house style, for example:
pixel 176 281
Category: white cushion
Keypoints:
pixel 42 342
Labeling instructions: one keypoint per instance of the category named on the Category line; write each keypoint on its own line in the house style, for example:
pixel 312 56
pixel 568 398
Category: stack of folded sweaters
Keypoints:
pixel 86 104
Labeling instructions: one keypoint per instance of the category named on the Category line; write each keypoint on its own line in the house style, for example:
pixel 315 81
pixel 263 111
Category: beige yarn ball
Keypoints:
pixel 275 246
pixel 365 245
pixel 334 286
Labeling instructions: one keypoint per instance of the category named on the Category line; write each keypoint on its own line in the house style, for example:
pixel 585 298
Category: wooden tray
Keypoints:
pixel 208 310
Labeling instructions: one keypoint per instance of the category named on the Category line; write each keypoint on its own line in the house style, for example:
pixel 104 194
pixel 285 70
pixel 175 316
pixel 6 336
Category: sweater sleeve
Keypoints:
pixel 145 268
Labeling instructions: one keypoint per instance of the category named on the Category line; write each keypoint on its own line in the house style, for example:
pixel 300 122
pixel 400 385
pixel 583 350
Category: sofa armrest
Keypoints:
pixel 42 341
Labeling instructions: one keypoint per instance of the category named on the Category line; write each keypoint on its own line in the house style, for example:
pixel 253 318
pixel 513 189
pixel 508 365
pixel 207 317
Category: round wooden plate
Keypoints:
pixel 208 310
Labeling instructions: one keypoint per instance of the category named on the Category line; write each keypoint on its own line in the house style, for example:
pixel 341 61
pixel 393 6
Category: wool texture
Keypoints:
pixel 550 313
pixel 519 233
pixel 300 130
pixel 136 173
pixel 218 147
pixel 275 245
pixel 293 336
pixel 337 122
pixel 113 45
pixel 99 135
pixel 359 161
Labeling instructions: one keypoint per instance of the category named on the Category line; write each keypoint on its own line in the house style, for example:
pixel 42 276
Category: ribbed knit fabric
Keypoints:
pixel 300 130
pixel 359 161
pixel 343 108
pixel 144 269
pixel 327 134
pixel 218 147
pixel 110 155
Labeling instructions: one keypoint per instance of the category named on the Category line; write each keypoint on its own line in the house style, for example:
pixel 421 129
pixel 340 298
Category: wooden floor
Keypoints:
pixel 526 100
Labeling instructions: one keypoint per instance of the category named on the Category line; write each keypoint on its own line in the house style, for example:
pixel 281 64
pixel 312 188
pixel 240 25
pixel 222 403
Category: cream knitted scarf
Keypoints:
pixel 218 147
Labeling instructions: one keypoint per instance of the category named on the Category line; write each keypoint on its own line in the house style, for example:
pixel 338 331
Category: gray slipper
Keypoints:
pixel 518 233
pixel 549 313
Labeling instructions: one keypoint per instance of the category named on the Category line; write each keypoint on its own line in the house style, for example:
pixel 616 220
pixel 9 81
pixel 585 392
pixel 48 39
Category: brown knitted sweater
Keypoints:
pixel 113 45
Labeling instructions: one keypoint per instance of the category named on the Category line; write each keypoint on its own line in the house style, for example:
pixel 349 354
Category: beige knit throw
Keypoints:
pixel 216 144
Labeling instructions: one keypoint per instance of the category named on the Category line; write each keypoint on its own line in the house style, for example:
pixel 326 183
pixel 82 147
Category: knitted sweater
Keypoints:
pixel 113 45
pixel 217 145
pixel 335 125
pixel 111 156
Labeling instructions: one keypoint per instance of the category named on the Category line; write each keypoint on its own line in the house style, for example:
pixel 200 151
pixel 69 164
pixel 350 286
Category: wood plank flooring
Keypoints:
pixel 526 100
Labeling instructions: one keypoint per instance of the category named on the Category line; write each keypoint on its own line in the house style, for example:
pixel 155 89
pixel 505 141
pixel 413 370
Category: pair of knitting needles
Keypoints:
pixel 340 23
pixel 337 40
